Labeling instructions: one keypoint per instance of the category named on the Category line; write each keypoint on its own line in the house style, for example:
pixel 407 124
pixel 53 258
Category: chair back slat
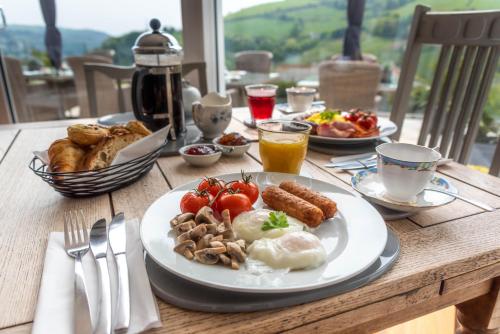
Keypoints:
pixel 430 108
pixel 457 99
pixel 482 95
pixel 470 50
pixel 470 95
pixel 449 81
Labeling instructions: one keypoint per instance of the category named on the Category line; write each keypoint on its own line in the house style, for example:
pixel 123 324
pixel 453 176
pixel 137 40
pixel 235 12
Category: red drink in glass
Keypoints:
pixel 261 100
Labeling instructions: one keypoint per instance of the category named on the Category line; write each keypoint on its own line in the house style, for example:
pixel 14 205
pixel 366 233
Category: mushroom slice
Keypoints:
pixel 184 227
pixel 181 218
pixel 234 249
pixel 211 228
pixel 198 232
pixel 226 219
pixel 234 263
pixel 218 238
pixel 204 242
pixel 226 260
pixel 184 236
pixel 218 245
pixel 242 244
pixel 206 256
pixel 228 234
pixel 205 216
pixel 186 248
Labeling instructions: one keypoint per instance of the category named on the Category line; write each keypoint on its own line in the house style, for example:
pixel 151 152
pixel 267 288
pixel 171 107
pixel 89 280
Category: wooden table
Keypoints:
pixel 449 255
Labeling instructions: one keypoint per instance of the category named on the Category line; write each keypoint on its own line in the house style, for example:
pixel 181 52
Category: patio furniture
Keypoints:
pixel 349 84
pixel 450 255
pixel 118 74
pixel 470 48
pixel 495 164
pixel 254 61
pixel 201 70
pixel 105 87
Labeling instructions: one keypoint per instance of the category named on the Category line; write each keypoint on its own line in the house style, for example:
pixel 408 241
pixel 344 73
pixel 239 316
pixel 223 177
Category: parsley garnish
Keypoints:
pixel 328 115
pixel 277 219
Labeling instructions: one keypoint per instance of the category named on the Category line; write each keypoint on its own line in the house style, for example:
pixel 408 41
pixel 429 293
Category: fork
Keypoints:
pixel 76 244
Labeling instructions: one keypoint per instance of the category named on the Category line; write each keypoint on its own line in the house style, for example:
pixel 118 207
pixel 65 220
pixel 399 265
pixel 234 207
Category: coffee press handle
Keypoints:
pixel 137 81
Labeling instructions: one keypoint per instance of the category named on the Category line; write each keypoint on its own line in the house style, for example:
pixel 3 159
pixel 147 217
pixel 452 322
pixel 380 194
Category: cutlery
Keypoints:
pixel 118 242
pixel 99 247
pixel 76 244
pixel 352 158
pixel 465 199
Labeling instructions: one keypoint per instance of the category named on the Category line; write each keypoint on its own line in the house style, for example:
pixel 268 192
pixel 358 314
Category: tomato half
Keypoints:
pixel 193 201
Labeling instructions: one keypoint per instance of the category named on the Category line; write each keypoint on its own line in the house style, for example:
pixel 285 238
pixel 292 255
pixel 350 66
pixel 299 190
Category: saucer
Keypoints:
pixel 286 109
pixel 368 183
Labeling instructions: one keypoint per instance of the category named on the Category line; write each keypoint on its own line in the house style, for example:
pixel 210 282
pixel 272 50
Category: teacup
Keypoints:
pixel 212 114
pixel 405 169
pixel 300 98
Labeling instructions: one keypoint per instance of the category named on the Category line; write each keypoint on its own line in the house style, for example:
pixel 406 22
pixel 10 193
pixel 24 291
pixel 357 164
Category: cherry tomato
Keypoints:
pixel 353 115
pixel 193 201
pixel 367 122
pixel 235 203
pixel 246 187
pixel 211 185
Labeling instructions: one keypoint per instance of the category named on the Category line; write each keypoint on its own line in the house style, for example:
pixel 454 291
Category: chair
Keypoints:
pixel 114 72
pixel 349 84
pixel 495 164
pixel 106 92
pixel 470 47
pixel 254 61
pixel 201 70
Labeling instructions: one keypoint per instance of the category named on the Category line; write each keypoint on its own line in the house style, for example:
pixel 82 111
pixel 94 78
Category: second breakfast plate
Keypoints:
pixel 353 240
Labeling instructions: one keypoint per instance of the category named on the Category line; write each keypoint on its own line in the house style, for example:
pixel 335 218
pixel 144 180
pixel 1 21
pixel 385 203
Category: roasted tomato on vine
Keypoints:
pixel 211 185
pixel 194 200
pixel 246 187
pixel 236 203
pixel 368 121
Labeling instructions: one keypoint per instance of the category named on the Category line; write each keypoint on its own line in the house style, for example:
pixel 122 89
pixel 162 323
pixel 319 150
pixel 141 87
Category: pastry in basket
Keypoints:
pixel 87 134
pixel 65 156
pixel 103 153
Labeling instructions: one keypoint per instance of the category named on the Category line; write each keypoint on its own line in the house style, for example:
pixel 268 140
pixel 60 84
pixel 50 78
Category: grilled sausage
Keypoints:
pixel 326 205
pixel 279 199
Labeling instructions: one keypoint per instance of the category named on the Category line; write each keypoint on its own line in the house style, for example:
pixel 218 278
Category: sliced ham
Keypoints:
pixel 336 130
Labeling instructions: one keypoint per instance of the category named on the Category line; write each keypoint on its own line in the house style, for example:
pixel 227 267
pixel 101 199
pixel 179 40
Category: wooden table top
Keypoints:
pixel 448 254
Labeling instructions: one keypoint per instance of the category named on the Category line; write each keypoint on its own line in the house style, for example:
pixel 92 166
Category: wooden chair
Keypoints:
pixel 349 84
pixel 470 47
pixel 254 61
pixel 106 91
pixel 118 74
pixel 495 164
pixel 201 69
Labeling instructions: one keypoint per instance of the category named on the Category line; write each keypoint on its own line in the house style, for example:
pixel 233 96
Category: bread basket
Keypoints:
pixel 104 180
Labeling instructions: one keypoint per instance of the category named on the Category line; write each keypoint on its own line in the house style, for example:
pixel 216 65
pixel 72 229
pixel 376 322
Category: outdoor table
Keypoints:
pixel 449 255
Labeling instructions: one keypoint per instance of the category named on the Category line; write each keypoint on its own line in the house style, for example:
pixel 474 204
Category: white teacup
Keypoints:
pixel 212 114
pixel 300 98
pixel 405 169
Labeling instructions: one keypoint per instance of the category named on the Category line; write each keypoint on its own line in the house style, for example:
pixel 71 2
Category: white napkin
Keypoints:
pixel 54 311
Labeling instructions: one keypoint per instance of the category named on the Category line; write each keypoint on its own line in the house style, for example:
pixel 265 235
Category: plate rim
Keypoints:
pixel 260 289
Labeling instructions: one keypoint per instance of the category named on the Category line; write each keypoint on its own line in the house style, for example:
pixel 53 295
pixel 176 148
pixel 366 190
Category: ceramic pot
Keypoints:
pixel 190 94
pixel 212 114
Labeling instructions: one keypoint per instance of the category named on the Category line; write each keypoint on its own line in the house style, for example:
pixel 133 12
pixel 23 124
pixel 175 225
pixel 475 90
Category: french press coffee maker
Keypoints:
pixel 157 82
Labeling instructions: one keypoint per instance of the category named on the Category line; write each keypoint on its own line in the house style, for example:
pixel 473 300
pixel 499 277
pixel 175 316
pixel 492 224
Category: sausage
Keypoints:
pixel 280 200
pixel 326 205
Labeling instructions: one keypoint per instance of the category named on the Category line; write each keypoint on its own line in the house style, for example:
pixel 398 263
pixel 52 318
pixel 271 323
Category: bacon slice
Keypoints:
pixel 336 130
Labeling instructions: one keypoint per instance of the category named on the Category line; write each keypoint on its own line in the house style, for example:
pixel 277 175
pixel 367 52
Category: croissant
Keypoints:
pixel 65 156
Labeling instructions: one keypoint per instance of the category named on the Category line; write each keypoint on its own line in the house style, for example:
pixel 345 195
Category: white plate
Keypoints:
pixel 353 240
pixel 387 128
pixel 368 183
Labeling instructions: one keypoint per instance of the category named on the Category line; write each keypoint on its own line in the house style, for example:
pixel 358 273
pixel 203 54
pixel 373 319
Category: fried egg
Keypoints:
pixel 295 250
pixel 248 226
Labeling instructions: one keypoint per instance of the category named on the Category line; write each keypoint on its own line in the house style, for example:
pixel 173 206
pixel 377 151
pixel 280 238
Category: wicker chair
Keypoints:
pixel 349 84
pixel 254 61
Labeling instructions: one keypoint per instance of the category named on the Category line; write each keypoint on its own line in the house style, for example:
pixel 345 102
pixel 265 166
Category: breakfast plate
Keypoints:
pixel 353 240
pixel 368 184
pixel 387 128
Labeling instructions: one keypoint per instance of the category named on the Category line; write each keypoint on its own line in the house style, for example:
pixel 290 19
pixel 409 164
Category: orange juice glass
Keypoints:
pixel 283 145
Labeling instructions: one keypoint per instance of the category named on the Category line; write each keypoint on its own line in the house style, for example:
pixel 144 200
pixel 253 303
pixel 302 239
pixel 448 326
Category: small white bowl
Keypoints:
pixel 232 151
pixel 200 160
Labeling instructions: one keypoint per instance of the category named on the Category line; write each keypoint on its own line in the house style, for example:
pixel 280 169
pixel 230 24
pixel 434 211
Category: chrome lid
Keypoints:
pixel 156 48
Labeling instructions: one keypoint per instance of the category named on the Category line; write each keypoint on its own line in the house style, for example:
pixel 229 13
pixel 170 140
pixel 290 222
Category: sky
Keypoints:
pixel 114 17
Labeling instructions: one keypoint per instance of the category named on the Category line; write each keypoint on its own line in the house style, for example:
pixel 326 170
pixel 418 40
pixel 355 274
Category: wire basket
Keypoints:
pixel 100 181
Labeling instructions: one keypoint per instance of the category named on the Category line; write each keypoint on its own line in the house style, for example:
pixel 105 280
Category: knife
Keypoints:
pixel 99 247
pixel 118 243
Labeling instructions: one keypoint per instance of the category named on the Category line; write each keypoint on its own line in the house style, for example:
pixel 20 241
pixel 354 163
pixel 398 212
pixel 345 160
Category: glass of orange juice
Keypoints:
pixel 283 145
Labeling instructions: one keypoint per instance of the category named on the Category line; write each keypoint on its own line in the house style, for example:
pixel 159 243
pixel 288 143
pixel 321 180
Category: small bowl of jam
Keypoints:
pixel 201 155
pixel 232 144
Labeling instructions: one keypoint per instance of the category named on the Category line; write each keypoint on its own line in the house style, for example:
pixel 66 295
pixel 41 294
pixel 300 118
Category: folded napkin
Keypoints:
pixel 54 311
